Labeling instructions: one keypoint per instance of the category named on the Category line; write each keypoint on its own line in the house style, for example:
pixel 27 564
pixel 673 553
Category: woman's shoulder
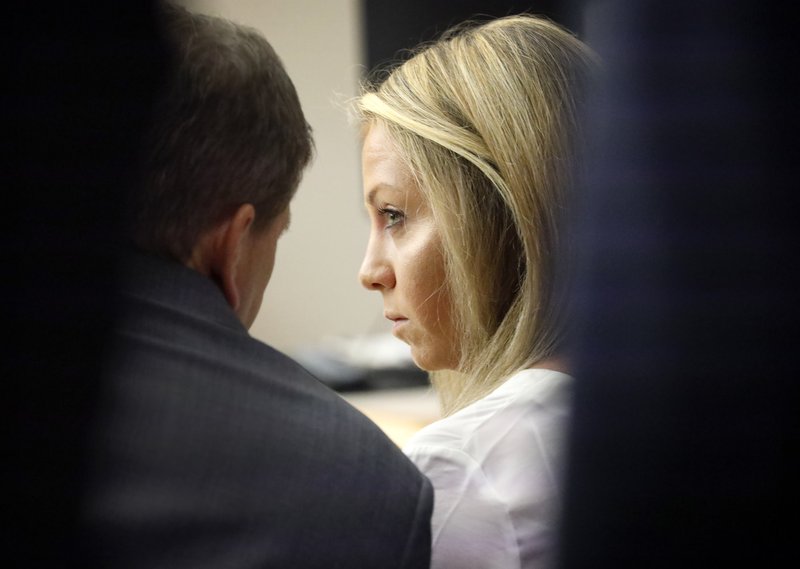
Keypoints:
pixel 494 467
pixel 530 399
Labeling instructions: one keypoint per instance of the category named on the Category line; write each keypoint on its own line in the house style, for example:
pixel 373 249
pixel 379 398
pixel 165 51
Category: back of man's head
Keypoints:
pixel 228 130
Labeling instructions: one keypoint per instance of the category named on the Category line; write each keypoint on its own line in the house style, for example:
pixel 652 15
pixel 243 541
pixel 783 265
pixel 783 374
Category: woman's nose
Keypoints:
pixel 376 272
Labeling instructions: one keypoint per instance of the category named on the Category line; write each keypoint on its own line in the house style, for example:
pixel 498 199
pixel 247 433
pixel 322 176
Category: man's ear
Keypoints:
pixel 229 242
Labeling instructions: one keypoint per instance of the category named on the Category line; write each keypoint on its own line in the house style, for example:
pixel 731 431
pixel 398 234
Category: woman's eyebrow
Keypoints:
pixel 370 199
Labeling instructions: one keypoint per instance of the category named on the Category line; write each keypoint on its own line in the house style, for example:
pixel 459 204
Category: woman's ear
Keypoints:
pixel 227 243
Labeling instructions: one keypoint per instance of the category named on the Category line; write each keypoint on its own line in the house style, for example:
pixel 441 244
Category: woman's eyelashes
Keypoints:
pixel 391 216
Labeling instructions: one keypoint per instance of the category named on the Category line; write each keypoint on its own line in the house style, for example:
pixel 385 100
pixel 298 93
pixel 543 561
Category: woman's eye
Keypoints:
pixel 392 216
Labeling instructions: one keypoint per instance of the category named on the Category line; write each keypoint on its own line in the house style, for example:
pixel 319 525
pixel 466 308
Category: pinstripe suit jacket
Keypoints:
pixel 215 450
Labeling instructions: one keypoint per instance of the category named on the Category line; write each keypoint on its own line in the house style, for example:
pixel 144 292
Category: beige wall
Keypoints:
pixel 314 290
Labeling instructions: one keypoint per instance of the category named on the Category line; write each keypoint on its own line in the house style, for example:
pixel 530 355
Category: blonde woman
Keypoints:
pixel 468 160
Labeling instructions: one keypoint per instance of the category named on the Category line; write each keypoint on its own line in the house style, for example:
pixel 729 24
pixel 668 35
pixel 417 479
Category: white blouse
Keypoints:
pixel 495 469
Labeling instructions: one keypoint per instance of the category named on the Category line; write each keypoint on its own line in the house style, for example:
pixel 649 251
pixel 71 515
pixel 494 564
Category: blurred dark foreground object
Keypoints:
pixel 80 79
pixel 685 419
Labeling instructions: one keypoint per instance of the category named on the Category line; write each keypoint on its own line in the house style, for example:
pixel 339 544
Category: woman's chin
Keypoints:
pixel 431 362
pixel 421 359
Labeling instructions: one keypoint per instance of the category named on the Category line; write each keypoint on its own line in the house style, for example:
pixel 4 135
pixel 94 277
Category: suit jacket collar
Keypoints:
pixel 177 286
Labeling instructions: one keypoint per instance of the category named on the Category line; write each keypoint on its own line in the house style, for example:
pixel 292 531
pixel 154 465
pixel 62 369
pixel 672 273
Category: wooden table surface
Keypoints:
pixel 398 412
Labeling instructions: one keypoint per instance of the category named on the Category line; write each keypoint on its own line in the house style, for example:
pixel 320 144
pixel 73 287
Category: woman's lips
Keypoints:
pixel 397 320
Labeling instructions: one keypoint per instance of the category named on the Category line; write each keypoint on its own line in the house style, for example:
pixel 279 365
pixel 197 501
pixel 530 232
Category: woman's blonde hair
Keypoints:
pixel 486 119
